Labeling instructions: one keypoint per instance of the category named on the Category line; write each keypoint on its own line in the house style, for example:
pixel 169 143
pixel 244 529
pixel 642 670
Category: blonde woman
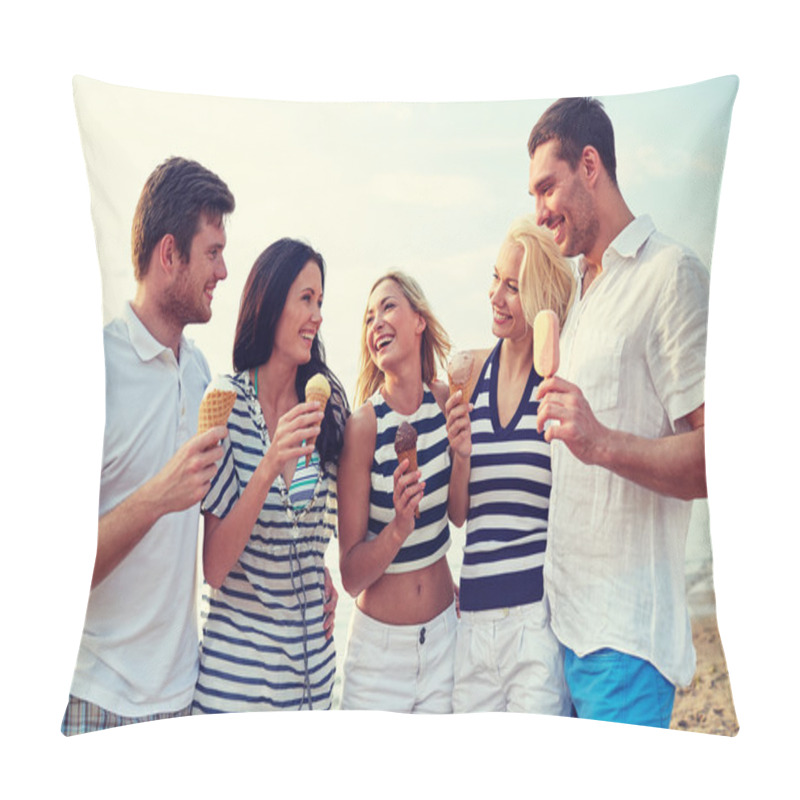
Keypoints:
pixel 507 658
pixel 401 640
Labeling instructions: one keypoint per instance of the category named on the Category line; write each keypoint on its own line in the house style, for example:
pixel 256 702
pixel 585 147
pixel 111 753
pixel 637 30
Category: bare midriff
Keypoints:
pixel 409 598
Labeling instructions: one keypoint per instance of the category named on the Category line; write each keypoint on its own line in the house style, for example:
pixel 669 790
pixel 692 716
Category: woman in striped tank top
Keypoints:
pixel 269 515
pixel 507 658
pixel 401 639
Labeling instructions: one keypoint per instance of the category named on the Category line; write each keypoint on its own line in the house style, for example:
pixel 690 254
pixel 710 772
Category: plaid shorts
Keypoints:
pixel 82 716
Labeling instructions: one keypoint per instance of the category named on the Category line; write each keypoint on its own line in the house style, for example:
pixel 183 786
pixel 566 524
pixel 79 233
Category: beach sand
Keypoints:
pixel 707 705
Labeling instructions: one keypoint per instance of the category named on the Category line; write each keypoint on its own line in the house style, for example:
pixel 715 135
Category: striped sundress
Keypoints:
pixel 264 646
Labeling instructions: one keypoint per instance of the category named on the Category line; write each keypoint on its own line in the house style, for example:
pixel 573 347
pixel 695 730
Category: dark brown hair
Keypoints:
pixel 575 122
pixel 176 195
pixel 263 299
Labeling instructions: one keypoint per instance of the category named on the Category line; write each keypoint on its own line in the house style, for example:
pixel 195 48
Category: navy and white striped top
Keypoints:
pixel 430 538
pixel 264 646
pixel 509 496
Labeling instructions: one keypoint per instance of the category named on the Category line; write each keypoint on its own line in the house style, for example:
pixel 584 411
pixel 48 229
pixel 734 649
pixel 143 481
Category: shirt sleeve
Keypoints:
pixel 224 491
pixel 677 344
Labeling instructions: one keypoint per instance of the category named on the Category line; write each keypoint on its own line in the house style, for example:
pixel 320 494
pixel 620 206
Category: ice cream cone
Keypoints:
pixel 215 408
pixel 545 343
pixel 459 373
pixel 318 390
pixel 411 455
pixel 405 445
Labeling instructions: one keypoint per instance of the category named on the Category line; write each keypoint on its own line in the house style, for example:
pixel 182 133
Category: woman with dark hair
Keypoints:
pixel 269 515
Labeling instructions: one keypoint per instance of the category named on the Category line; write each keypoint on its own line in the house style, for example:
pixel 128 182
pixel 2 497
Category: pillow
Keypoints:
pixel 427 187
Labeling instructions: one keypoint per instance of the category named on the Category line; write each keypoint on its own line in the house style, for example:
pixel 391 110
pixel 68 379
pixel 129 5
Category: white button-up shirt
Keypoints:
pixel 635 345
pixel 139 649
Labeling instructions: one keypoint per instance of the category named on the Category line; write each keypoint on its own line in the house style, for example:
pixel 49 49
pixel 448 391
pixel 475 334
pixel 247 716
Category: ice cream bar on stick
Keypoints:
pixel 216 405
pixel 545 343
pixel 459 372
pixel 405 445
pixel 317 390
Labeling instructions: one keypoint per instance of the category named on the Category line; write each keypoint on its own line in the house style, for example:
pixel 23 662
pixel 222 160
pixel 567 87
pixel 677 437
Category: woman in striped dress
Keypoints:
pixel 401 639
pixel 507 658
pixel 267 642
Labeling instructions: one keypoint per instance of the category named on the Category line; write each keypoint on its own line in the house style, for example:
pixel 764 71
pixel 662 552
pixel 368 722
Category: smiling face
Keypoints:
pixel 563 202
pixel 508 319
pixel 392 328
pixel 301 317
pixel 187 299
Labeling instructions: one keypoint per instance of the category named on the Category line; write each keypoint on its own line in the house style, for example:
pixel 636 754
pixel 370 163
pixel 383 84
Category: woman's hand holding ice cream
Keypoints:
pixel 408 489
pixel 408 492
pixel 294 437
pixel 460 378
pixel 318 390
pixel 459 431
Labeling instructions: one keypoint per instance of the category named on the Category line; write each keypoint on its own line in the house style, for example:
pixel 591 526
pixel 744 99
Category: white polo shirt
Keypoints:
pixel 139 649
pixel 635 344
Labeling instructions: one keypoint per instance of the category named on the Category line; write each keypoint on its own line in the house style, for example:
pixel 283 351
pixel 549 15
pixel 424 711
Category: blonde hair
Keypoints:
pixel 434 347
pixel 545 277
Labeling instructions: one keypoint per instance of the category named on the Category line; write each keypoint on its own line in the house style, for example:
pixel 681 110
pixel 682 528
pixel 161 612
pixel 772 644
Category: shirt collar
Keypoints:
pixel 147 347
pixel 631 238
pixel 626 244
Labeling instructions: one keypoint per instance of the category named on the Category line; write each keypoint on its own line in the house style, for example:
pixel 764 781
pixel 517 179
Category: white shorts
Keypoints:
pixel 400 667
pixel 508 659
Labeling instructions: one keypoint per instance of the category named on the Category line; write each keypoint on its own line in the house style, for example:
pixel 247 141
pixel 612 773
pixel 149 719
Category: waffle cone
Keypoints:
pixel 454 387
pixel 460 368
pixel 322 399
pixel 215 409
pixel 411 455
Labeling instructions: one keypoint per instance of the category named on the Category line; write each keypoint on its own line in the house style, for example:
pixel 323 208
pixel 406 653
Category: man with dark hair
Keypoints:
pixel 574 122
pixel 625 414
pixel 139 649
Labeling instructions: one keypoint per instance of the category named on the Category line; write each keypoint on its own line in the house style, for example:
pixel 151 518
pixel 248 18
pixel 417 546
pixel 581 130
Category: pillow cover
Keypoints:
pixel 429 188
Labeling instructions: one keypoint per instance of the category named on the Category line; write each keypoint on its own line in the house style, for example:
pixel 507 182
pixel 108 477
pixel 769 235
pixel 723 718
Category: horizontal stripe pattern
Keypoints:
pixel 430 539
pixel 264 646
pixel 509 491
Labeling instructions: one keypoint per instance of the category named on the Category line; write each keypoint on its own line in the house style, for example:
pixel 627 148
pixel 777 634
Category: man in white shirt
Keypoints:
pixel 138 654
pixel 627 413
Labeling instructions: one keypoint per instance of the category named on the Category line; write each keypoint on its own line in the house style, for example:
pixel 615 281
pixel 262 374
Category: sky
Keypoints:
pixel 430 188
pixel 431 52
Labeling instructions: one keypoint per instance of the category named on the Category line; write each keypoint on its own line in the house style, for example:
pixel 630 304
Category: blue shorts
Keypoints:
pixel 616 687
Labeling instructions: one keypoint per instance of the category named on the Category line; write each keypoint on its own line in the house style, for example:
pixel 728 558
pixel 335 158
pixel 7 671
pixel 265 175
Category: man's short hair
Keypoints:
pixel 575 122
pixel 175 197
